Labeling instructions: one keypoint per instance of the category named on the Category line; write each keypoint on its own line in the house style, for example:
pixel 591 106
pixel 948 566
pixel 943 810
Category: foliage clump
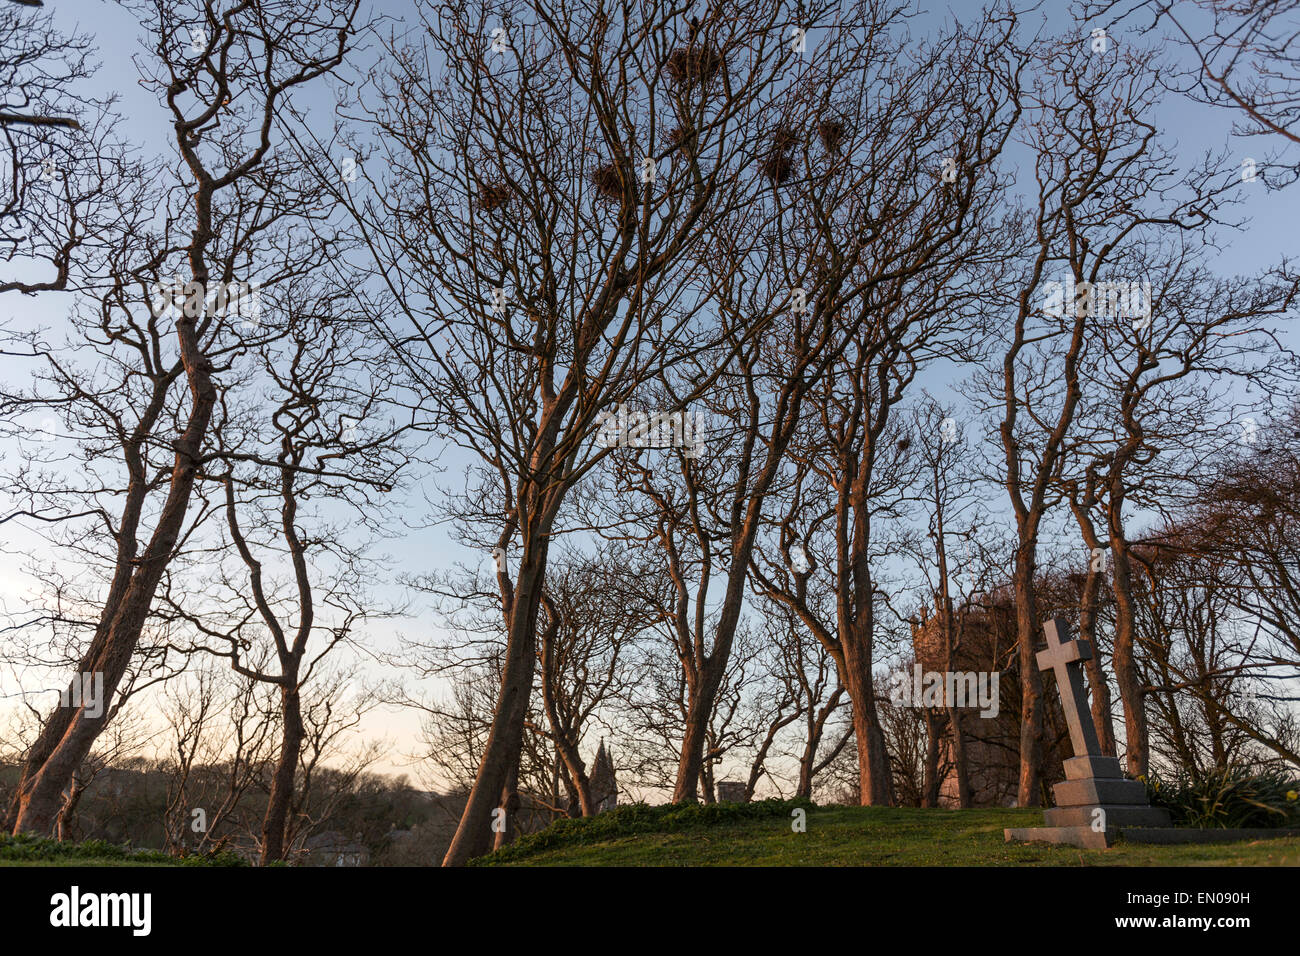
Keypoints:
pixel 24 847
pixel 1230 798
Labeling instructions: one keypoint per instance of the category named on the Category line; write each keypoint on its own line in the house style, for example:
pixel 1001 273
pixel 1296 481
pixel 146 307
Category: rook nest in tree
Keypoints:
pixel 677 136
pixel 493 196
pixel 832 134
pixel 785 139
pixel 778 167
pixel 608 180
pixel 695 65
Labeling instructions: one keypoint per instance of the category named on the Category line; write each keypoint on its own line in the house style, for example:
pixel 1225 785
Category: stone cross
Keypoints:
pixel 1094 803
pixel 1066 657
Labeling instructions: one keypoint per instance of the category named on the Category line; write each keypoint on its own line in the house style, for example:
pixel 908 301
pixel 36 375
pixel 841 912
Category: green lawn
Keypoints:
pixel 873 836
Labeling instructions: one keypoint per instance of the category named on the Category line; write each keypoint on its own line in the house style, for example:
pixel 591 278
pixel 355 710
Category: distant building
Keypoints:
pixel 992 744
pixel 604 783
pixel 332 848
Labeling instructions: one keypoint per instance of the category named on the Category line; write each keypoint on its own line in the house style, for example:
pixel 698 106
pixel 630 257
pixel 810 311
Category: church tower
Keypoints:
pixel 604 784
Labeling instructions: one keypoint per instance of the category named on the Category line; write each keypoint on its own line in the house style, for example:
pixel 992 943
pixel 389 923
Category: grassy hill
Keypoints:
pixel 760 835
pixel 757 834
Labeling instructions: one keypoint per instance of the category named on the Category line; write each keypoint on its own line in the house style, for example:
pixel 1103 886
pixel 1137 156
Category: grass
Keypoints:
pixel 27 850
pixel 852 836
pixel 757 834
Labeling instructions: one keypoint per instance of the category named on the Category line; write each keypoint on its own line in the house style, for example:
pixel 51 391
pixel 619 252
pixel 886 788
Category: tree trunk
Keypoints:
pixel 690 763
pixel 1031 685
pixel 816 729
pixel 474 835
pixel 960 763
pixel 876 786
pixel 55 726
pixel 286 769
pixel 1096 673
pixel 566 750
pixel 578 782
pixel 1088 629
pixel 506 834
pixel 63 828
pixel 1127 676
pixel 40 796
pixel 703 693
pixel 930 777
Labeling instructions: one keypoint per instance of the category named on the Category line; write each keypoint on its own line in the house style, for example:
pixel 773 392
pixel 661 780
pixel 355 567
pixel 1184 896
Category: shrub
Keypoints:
pixel 1234 797
pixel 25 847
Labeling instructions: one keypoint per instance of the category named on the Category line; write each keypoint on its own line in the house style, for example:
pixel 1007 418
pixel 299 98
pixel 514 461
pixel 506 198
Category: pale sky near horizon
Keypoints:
pixel 1269 235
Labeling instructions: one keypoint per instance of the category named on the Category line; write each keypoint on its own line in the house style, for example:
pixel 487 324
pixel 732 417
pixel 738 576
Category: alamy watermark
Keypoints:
pixel 1107 300
pixel 86 690
pixel 193 298
pixel 934 689
pixel 639 429
pixel 75 909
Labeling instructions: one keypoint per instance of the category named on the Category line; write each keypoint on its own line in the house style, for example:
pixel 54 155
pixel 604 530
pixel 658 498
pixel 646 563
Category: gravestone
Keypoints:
pixel 731 791
pixel 1095 799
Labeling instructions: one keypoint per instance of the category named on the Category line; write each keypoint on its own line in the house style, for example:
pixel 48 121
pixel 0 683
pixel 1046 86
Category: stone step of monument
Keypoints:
pixel 1093 839
pixel 1116 815
pixel 1085 837
pixel 1094 791
pixel 1092 765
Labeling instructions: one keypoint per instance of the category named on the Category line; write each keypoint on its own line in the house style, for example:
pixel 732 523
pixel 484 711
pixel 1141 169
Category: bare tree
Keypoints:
pixel 957 559
pixel 1105 184
pixel 1243 56
pixel 534 279
pixel 904 275
pixel 594 610
pixel 66 187
pixel 292 457
pixel 222 86
pixel 220 741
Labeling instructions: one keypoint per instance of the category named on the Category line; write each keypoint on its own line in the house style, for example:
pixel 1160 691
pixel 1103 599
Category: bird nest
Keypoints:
pixel 691 66
pixel 677 137
pixel 832 134
pixel 778 167
pixel 785 139
pixel 493 196
pixel 608 180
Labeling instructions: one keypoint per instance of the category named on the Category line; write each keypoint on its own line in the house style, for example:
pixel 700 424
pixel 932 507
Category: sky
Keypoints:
pixel 1193 128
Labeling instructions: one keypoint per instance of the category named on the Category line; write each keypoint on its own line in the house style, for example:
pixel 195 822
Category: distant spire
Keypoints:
pixel 604 783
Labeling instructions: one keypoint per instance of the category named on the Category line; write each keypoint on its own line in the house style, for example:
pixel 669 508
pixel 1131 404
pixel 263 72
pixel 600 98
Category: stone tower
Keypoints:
pixel 604 784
